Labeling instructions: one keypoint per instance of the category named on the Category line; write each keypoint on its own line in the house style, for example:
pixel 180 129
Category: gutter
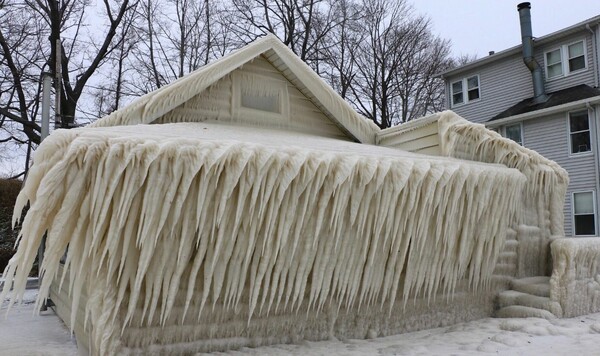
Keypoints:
pixel 597 156
pixel 595 53
pixel 547 111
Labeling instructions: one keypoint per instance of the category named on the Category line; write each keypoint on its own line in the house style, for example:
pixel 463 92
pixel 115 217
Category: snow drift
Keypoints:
pixel 211 213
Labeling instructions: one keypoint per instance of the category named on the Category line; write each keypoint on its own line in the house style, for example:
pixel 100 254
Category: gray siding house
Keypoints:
pixel 544 95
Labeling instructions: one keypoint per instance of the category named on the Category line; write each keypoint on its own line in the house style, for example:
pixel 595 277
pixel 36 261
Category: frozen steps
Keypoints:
pixel 539 286
pixel 519 311
pixel 529 297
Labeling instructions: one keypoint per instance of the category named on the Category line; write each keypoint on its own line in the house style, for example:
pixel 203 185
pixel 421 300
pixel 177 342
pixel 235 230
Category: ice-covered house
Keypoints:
pixel 247 204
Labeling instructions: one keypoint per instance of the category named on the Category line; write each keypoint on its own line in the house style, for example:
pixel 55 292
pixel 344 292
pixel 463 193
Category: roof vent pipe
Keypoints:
pixel 539 92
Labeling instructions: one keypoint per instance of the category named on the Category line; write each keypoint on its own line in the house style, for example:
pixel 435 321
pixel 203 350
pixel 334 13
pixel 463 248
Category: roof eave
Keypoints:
pixel 516 49
pixel 546 111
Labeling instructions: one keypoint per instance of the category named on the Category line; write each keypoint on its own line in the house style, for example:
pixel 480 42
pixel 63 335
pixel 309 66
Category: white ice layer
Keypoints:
pixel 277 221
pixel 154 105
pixel 546 181
pixel 575 281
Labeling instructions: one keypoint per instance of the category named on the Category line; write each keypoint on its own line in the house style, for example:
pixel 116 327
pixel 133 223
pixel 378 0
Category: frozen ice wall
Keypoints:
pixel 543 201
pixel 575 281
pixel 266 219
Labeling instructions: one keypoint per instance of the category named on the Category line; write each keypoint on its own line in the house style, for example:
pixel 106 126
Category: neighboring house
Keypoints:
pixel 558 118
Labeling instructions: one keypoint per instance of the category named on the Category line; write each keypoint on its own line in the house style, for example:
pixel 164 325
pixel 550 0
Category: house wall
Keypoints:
pixel 223 329
pixel 61 297
pixel 507 81
pixel 502 85
pixel 581 77
pixel 421 139
pixel 549 136
pixel 217 104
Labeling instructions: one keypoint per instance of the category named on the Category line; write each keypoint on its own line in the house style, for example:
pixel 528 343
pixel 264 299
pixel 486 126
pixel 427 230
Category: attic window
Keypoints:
pixel 260 102
pixel 258 98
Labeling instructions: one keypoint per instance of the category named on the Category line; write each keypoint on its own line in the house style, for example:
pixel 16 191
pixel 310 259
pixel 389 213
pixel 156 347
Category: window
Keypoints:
pixel 575 56
pixel 260 102
pixel 515 133
pixel 259 99
pixel 584 213
pixel 579 132
pixel 458 90
pixel 553 64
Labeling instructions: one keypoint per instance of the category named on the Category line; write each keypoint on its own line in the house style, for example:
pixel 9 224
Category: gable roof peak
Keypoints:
pixel 155 104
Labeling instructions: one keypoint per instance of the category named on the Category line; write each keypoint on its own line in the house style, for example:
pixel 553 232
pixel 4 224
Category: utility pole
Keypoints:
pixel 57 84
pixel 46 85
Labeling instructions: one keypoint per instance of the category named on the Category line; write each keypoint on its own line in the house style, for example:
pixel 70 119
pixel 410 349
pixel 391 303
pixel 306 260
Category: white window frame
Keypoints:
pixel 573 211
pixel 522 143
pixel 578 154
pixel 465 91
pixel 242 113
pixel 564 59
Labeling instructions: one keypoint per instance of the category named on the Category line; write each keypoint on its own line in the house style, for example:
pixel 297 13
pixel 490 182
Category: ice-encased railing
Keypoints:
pixel 145 215
pixel 546 181
pixel 543 201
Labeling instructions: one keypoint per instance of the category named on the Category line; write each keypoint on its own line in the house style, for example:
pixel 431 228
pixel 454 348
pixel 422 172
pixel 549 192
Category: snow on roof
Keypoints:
pixel 267 137
pixel 157 103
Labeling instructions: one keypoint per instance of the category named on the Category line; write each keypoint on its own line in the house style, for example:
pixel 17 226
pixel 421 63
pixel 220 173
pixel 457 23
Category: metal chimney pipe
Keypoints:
pixel 539 91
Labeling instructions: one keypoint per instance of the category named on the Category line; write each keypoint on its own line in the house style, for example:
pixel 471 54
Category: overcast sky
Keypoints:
pixel 480 26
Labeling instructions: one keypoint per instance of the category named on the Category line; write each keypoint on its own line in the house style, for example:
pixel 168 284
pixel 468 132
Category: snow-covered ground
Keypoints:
pixel 23 334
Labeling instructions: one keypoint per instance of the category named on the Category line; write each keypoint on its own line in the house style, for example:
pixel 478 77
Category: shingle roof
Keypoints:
pixel 556 98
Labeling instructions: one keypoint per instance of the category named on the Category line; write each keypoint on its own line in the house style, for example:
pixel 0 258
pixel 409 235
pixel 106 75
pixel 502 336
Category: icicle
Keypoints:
pixel 171 226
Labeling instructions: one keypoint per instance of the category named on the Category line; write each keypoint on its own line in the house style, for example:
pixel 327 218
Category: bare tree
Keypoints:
pixel 340 45
pixel 302 25
pixel 386 60
pixel 22 59
pixel 66 17
pixel 175 38
pixel 29 33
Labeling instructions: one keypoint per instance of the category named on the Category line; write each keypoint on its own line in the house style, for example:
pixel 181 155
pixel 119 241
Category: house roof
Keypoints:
pixel 556 98
pixel 517 49
pixel 153 105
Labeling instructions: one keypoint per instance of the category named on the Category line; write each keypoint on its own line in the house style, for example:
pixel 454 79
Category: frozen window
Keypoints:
pixel 259 99
pixel 576 57
pixel 584 216
pixel 514 133
pixel 462 96
pixel 261 102
pixel 579 132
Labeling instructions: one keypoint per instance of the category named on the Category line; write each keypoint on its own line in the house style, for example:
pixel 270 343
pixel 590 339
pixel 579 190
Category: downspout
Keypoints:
pixel 597 163
pixel 595 121
pixel 539 92
pixel 446 93
pixel 595 54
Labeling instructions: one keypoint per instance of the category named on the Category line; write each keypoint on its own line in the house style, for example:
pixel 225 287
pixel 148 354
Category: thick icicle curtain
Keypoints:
pixel 546 181
pixel 270 226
